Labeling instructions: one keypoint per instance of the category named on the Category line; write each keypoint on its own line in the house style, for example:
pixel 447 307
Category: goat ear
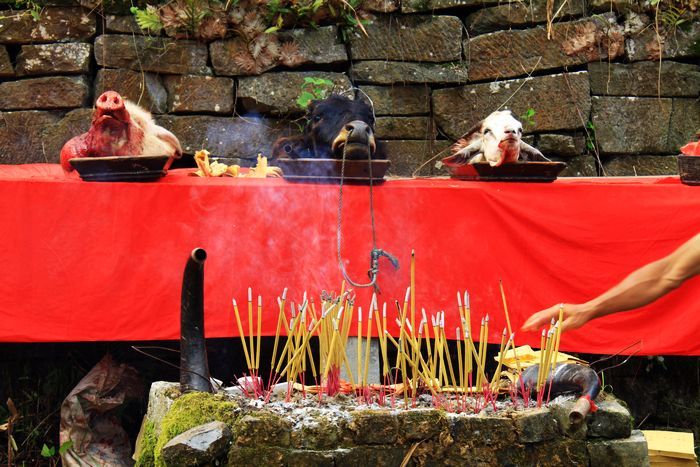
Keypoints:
pixel 531 153
pixel 462 153
pixel 472 131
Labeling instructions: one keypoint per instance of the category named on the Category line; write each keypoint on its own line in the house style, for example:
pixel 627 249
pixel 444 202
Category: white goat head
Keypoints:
pixel 495 139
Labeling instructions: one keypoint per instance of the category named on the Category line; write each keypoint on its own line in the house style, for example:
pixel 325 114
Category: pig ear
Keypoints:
pixel 531 153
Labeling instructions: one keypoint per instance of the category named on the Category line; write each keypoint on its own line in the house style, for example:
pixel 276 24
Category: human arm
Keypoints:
pixel 640 288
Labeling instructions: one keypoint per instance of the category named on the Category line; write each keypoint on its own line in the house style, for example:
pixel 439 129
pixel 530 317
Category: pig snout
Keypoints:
pixel 110 101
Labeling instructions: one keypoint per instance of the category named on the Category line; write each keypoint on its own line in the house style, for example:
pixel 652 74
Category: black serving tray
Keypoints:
pixel 329 170
pixel 121 168
pixel 689 169
pixel 514 172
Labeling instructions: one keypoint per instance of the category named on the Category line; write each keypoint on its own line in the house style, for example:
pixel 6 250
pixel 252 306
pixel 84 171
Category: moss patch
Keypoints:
pixel 188 412
pixel 148 444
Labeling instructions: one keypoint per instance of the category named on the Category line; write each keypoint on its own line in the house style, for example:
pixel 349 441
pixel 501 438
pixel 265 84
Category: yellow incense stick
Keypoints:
pixel 250 326
pixel 241 334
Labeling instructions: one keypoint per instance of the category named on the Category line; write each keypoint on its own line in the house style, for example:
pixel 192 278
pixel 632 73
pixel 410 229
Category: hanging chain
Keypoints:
pixel 376 252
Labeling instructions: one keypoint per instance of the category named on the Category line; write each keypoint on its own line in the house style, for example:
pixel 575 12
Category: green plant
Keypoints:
pixel 528 117
pixel 590 137
pixel 27 7
pixel 49 453
pixel 313 88
pixel 148 18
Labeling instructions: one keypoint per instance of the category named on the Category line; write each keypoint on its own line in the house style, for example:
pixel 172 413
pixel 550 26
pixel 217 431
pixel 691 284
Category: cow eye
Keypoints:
pixel 316 118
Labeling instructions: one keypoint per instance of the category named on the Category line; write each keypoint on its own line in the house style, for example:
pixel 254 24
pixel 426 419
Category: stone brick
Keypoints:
pixel 640 165
pixel 629 125
pixel 199 94
pixel 421 424
pixel 262 429
pixel 383 72
pixel 620 6
pixel 682 44
pixel 276 93
pixel 409 38
pixel 308 458
pixel 413 6
pixel 642 79
pixel 222 53
pixel 562 406
pixel 199 445
pixel 381 6
pixel 407 155
pixel 380 456
pixel 535 426
pixel 563 146
pixel 627 452
pixel 54 25
pixel 54 59
pixel 321 432
pixel 579 166
pixel 224 136
pixel 479 431
pixel 518 14
pixel 122 24
pixel 399 100
pixel 6 69
pixel 611 420
pixel 404 128
pixel 514 53
pixel 549 454
pixel 155 54
pixel 74 123
pixel 258 455
pixel 145 89
pixel 374 427
pixel 57 92
pixel 318 46
pixel 21 137
pixel 559 101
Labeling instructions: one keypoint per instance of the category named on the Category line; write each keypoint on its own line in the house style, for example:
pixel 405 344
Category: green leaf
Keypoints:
pixel 65 447
pixel 272 29
pixel 47 452
pixel 304 99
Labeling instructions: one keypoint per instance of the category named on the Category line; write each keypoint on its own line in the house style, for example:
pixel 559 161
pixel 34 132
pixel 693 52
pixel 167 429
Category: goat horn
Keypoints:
pixel 533 154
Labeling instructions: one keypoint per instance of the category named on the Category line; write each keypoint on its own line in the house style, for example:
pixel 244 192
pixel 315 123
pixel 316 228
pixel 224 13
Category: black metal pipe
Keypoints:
pixel 194 367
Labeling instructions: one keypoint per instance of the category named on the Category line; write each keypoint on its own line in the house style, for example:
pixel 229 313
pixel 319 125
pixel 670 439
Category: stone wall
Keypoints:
pixel 432 68
pixel 205 429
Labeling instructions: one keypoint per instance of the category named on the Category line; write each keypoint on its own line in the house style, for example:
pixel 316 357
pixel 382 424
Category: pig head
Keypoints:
pixel 120 128
pixel 496 140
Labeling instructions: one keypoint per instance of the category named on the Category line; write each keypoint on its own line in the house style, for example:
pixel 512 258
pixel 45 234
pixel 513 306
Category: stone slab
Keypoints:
pixel 54 25
pixel 407 155
pixel 21 137
pixel 560 102
pixel 241 137
pixel 192 94
pixel 404 128
pixel 518 14
pixel 513 53
pixel 145 89
pixel 54 59
pixel 386 72
pixel 409 38
pixel 682 44
pixel 56 92
pixel 399 100
pixel 319 46
pixel 651 79
pixel 632 165
pixel 629 125
pixel 154 54
pixel 276 93
pixel 627 452
pixel 6 69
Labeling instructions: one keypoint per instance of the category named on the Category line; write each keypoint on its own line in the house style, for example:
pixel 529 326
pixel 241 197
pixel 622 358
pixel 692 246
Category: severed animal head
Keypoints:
pixel 335 126
pixel 496 140
pixel 120 128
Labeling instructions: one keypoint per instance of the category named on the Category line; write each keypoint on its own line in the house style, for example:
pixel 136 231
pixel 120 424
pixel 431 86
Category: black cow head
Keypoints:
pixel 335 126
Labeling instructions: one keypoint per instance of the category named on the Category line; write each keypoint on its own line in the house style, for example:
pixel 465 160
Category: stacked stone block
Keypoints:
pixel 590 90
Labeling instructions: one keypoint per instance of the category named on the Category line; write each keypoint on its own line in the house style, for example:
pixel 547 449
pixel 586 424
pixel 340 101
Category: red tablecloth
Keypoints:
pixel 103 261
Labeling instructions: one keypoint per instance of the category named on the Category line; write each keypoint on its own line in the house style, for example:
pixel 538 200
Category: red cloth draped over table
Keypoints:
pixel 104 261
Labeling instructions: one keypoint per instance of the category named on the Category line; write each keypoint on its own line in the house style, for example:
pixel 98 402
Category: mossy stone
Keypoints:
pixel 374 427
pixel 262 429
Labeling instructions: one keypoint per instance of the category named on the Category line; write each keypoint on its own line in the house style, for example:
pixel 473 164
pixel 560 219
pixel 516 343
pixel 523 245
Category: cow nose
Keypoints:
pixel 357 127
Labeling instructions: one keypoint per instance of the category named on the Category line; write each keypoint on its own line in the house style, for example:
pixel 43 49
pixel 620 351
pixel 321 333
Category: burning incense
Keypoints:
pixel 241 334
pixel 367 345
pixel 257 350
pixel 250 325
pixel 281 318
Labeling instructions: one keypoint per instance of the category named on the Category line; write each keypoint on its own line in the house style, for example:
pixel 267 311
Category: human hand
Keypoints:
pixel 574 317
